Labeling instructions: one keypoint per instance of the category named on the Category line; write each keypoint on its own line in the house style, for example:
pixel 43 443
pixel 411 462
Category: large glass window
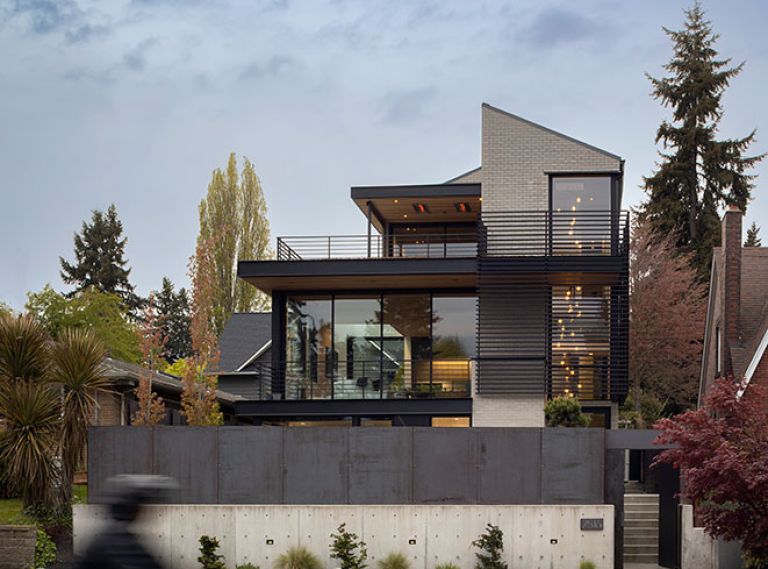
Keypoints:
pixel 393 345
pixel 581 193
pixel 357 345
pixel 308 347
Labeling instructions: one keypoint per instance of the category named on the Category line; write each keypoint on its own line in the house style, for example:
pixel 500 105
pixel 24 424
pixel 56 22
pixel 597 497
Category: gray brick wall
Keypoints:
pixel 17 546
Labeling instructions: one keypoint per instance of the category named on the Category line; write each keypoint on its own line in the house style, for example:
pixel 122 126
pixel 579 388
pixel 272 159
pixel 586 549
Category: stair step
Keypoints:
pixel 641 526
pixel 641 498
pixel 641 515
pixel 652 558
pixel 652 540
pixel 640 550
pixel 641 508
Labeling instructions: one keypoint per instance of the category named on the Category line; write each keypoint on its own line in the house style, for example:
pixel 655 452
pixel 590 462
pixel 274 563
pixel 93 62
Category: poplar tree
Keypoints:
pixel 100 259
pixel 753 237
pixel 698 172
pixel 233 216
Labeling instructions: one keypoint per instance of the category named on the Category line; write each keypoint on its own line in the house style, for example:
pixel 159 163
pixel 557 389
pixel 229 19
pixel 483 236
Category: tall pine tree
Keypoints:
pixel 100 259
pixel 173 319
pixel 753 236
pixel 698 173
pixel 233 219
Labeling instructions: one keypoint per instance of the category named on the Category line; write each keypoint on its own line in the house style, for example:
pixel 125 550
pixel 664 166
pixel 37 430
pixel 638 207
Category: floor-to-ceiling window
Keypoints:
pixel 391 345
pixel 581 340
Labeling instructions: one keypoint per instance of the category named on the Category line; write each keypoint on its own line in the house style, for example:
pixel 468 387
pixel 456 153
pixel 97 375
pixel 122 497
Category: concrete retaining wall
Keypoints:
pixel 17 546
pixel 535 537
pixel 699 551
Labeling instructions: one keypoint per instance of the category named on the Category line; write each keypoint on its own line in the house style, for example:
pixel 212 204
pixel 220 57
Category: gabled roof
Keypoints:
pixel 244 335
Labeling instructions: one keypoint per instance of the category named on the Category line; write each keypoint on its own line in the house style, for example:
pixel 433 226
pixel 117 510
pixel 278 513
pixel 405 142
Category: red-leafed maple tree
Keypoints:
pixel 722 450
pixel 667 310
pixel 151 409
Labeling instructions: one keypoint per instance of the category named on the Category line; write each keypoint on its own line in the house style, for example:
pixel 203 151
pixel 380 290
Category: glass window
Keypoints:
pixel 375 422
pixel 450 422
pixel 308 353
pixel 581 193
pixel 453 343
pixel 357 346
pixel 406 342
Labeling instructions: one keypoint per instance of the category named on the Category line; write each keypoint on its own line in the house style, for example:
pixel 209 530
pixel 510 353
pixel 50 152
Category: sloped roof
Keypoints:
pixel 244 335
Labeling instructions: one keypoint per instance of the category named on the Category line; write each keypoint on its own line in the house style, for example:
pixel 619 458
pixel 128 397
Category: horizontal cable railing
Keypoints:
pixel 504 234
pixel 553 233
pixel 364 379
pixel 378 246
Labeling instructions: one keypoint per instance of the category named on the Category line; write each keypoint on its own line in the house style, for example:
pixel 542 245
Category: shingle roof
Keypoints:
pixel 243 336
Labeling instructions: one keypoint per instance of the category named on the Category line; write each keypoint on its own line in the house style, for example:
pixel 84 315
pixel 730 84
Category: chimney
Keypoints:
pixel 731 244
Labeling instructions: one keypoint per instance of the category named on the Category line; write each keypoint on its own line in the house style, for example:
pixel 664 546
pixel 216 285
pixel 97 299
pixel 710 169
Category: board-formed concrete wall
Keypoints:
pixel 535 537
pixel 274 465
pixel 698 550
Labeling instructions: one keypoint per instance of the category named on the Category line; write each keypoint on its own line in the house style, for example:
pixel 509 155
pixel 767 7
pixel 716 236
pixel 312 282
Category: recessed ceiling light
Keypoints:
pixel 462 207
pixel 420 208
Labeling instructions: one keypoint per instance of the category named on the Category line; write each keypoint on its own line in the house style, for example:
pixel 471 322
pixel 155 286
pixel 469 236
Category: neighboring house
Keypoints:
pixel 468 302
pixel 117 405
pixel 736 333
pixel 246 353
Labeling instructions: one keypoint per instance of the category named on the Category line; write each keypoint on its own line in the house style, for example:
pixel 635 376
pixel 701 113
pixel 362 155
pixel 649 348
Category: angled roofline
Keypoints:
pixel 754 362
pixel 556 133
pixel 708 325
pixel 467 173
pixel 255 355
pixel 415 191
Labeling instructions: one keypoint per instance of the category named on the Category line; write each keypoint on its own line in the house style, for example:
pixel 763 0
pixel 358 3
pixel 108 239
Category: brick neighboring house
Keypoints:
pixel 736 333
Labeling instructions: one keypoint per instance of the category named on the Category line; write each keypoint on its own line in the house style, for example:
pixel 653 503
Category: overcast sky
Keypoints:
pixel 135 102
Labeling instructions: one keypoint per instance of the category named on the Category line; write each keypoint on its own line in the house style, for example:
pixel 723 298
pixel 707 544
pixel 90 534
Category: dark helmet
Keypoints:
pixel 130 491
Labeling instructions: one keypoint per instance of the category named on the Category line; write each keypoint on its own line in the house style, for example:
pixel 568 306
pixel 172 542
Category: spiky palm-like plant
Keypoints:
pixel 29 439
pixel 77 367
pixel 23 349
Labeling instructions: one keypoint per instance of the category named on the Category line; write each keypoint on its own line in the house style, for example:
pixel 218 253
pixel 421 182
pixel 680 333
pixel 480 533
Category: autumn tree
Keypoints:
pixel 722 450
pixel 753 236
pixel 173 317
pixel 198 399
pixel 233 215
pixel 698 172
pixel 103 313
pixel 667 310
pixel 151 409
pixel 100 259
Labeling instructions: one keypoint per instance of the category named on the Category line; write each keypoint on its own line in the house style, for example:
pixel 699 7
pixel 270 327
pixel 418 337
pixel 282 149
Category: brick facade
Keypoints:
pixel 17 546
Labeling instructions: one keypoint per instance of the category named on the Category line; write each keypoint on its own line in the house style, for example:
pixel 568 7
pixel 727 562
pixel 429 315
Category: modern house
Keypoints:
pixel 468 302
pixel 736 333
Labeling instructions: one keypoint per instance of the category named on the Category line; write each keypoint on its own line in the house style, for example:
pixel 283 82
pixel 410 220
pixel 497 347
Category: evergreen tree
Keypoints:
pixel 99 259
pixel 753 237
pixel 173 317
pixel 698 173
pixel 233 217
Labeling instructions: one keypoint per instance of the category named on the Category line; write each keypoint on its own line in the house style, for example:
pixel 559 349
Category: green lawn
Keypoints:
pixel 10 510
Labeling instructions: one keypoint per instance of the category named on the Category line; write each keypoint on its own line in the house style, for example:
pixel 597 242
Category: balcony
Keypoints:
pixel 365 379
pixel 507 234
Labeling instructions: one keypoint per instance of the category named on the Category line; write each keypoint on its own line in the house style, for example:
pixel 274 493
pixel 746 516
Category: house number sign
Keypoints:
pixel 591 524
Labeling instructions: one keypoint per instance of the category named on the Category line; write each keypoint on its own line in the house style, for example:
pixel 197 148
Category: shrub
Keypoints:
pixel 209 559
pixel 348 549
pixel 564 411
pixel 447 566
pixel 246 566
pixel 298 558
pixel 587 564
pixel 491 546
pixel 45 550
pixel 394 561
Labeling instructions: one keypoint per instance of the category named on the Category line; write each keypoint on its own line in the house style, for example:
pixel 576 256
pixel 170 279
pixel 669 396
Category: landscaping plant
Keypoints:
pixel 45 550
pixel 209 559
pixel 491 546
pixel 447 566
pixel 348 549
pixel 394 561
pixel 564 411
pixel 246 566
pixel 587 564
pixel 298 558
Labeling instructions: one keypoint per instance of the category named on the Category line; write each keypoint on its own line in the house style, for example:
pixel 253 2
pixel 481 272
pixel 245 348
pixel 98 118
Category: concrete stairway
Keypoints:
pixel 641 528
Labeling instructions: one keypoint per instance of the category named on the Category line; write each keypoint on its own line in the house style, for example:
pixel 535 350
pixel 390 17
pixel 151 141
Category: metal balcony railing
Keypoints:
pixel 506 233
pixel 365 379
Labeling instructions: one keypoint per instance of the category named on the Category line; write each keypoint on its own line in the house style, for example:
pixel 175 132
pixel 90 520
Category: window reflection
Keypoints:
pixel 581 215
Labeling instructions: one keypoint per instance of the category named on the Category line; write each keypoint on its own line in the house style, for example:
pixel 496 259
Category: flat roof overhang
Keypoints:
pixel 396 204
pixel 360 274
pixel 347 407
